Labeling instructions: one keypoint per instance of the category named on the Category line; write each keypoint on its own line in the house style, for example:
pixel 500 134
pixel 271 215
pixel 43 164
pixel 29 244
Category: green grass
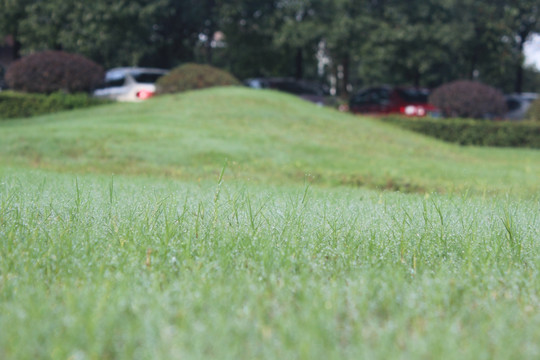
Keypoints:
pixel 168 259
pixel 265 137
pixel 114 268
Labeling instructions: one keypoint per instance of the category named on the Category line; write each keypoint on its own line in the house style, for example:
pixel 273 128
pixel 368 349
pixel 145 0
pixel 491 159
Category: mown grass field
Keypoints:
pixel 120 239
pixel 265 137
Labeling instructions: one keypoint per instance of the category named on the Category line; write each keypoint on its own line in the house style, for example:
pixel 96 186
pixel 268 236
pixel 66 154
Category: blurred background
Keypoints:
pixel 343 44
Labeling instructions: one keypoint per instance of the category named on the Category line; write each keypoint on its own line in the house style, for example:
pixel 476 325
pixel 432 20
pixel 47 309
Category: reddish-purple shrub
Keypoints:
pixel 468 99
pixel 50 71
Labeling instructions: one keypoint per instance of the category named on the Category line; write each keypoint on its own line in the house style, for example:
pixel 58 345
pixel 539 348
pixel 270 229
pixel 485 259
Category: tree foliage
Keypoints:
pixel 347 42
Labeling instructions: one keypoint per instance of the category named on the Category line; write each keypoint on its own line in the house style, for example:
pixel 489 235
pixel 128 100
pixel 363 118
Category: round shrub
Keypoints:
pixel 50 71
pixel 533 113
pixel 192 77
pixel 468 99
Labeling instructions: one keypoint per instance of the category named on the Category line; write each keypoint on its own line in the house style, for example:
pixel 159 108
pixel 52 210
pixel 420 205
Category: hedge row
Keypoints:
pixel 17 105
pixel 473 132
pixel 533 114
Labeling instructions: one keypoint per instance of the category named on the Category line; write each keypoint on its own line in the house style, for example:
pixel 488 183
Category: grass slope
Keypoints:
pixel 265 137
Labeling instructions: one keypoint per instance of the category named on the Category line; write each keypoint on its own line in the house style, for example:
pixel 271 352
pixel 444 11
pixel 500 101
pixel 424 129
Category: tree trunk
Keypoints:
pixel 417 77
pixel 208 48
pixel 346 76
pixel 299 64
pixel 518 86
pixel 15 47
pixel 472 70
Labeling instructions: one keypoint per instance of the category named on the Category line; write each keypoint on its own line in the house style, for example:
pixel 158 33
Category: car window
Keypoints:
pixel 288 87
pixel 109 82
pixel 381 96
pixel 362 98
pixel 296 87
pixel 311 89
pixel 513 104
pixel 146 78
pixel 413 95
pixel 115 82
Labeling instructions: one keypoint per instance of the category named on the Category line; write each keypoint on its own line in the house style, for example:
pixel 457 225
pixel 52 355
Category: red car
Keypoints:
pixel 408 101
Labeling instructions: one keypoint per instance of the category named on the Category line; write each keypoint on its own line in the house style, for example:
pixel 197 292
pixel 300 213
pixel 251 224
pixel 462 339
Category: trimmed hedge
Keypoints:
pixel 473 132
pixel 192 77
pixel 18 105
pixel 533 113
pixel 50 71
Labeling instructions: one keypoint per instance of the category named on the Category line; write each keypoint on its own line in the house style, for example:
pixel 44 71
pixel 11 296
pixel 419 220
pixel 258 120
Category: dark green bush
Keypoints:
pixel 192 77
pixel 533 113
pixel 15 105
pixel 474 132
pixel 468 99
pixel 50 71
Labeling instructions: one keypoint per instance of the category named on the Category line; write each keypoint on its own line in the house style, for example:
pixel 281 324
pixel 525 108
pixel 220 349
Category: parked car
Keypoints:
pixel 306 90
pixel 518 104
pixel 408 101
pixel 130 83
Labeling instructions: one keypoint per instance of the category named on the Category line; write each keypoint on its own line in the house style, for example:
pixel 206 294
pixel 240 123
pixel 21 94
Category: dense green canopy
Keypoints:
pixel 350 42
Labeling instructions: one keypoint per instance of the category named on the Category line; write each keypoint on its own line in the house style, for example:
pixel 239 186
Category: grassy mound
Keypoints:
pixel 262 136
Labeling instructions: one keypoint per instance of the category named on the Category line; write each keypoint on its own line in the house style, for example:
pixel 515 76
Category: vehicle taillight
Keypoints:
pixel 144 94
pixel 413 110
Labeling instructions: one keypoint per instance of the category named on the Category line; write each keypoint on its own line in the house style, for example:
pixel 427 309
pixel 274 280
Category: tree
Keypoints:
pixel 11 14
pixel 119 33
pixel 494 34
pixel 523 20
pixel 336 27
pixel 300 31
pixel 417 41
pixel 250 27
pixel 111 33
pixel 348 24
pixel 183 31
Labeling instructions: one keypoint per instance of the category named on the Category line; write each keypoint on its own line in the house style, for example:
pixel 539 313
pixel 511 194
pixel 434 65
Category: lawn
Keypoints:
pixel 264 137
pixel 243 224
